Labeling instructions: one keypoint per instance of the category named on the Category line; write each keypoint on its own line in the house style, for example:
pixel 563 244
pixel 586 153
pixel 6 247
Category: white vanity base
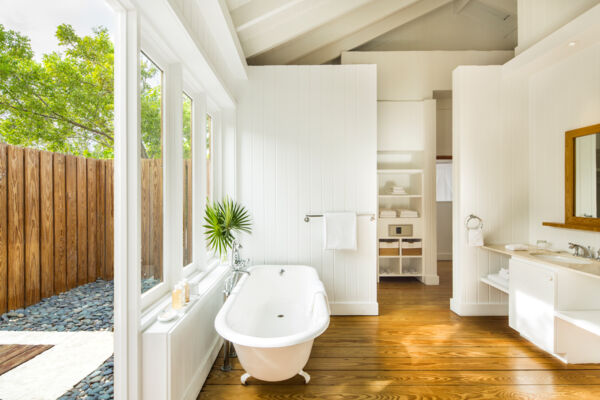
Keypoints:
pixel 574 328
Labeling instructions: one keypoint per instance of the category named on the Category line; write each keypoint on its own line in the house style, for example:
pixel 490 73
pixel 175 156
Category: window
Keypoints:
pixel 209 157
pixel 151 173
pixel 187 180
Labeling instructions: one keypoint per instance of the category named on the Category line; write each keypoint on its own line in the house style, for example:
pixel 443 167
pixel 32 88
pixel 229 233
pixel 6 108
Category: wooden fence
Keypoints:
pixel 57 220
pixel 56 224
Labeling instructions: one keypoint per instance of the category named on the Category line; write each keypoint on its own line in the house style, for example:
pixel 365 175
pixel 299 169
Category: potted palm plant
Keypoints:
pixel 222 220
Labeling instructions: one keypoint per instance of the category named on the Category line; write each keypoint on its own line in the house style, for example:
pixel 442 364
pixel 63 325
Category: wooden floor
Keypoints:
pixel 418 349
pixel 13 355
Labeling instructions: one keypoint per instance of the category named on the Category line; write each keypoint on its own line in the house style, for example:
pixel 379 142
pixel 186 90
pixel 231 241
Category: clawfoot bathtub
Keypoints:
pixel 272 317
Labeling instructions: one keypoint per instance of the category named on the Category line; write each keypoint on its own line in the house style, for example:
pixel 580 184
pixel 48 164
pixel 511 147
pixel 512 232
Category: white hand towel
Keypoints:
pixel 475 238
pixel 339 231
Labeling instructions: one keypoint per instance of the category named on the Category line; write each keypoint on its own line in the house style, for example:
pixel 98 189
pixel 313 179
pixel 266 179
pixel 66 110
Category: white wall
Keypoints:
pixel 538 18
pixel 564 96
pixel 306 143
pixel 490 179
pixel 414 75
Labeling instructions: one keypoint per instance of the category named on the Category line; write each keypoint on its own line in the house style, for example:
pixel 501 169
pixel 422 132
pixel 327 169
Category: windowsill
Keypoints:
pixel 203 279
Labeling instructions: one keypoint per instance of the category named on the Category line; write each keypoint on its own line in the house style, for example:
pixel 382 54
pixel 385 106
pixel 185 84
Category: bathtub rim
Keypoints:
pixel 236 337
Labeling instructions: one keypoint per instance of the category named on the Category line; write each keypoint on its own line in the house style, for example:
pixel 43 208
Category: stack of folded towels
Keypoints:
pixel 409 214
pixel 397 190
pixel 502 277
pixel 387 213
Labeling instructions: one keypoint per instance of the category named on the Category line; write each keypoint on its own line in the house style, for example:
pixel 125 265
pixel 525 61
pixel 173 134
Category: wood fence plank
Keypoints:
pixel 145 195
pixel 110 246
pixel 32 227
pixel 92 187
pixel 60 225
pixel 82 269
pixel 16 233
pixel 3 231
pixel 101 213
pixel 71 193
pixel 47 223
pixel 156 219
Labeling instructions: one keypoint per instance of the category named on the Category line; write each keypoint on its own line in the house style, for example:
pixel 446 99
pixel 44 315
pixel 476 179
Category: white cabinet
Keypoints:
pixel 532 302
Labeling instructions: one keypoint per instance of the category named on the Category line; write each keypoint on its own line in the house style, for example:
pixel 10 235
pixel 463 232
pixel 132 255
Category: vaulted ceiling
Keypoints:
pixel 318 31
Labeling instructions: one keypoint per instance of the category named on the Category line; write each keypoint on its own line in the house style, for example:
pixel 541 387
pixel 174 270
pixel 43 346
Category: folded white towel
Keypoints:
pixel 498 279
pixel 516 247
pixel 475 237
pixel 340 231
pixel 503 273
pixel 387 213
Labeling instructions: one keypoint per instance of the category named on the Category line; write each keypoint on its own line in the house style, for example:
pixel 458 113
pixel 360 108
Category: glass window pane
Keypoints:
pixel 187 180
pixel 151 173
pixel 209 136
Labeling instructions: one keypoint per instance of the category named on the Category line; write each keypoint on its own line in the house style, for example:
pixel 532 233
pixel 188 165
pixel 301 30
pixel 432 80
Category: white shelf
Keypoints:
pixel 390 256
pixel 588 320
pixel 421 256
pixel 390 196
pixel 399 171
pixel 494 284
pixel 399 275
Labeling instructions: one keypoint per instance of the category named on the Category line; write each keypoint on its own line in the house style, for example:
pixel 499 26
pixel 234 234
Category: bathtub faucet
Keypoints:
pixel 238 265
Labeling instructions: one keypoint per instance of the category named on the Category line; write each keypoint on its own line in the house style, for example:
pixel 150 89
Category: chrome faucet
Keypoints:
pixel 238 265
pixel 581 251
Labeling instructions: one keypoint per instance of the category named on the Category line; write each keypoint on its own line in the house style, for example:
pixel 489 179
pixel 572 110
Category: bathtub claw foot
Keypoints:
pixel 244 378
pixel 305 376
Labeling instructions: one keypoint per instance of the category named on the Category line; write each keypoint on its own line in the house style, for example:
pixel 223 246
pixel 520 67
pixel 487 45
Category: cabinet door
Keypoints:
pixel 532 291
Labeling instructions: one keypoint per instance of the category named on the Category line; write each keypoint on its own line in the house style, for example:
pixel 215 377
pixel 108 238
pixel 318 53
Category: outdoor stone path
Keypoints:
pixel 85 308
pixel 96 386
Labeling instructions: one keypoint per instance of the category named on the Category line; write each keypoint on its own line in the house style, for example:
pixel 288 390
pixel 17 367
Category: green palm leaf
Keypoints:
pixel 223 219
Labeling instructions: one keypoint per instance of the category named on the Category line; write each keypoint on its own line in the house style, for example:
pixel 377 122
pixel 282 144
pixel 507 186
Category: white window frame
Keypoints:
pixel 172 122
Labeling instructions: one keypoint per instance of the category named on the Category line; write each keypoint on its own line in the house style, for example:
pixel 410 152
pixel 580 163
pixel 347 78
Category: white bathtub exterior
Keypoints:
pixel 272 319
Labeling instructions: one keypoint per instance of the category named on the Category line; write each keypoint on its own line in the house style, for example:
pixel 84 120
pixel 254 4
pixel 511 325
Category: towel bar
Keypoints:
pixel 307 217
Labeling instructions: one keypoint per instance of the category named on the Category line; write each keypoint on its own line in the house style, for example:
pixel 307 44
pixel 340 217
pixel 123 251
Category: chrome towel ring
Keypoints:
pixel 473 222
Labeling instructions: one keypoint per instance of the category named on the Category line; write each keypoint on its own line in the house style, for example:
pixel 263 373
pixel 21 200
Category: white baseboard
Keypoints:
pixel 430 279
pixel 478 310
pixel 354 308
pixel 202 373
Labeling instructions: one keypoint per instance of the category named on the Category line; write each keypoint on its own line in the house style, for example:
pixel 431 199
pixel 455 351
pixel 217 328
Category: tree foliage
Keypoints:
pixel 65 102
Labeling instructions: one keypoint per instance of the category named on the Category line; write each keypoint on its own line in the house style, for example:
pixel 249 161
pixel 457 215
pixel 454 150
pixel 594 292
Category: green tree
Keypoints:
pixel 65 103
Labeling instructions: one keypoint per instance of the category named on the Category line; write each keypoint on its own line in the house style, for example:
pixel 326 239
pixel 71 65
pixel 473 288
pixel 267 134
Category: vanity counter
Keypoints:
pixel 591 268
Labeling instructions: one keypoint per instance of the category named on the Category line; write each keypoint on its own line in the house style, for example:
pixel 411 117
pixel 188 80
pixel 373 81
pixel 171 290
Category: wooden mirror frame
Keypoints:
pixel 571 221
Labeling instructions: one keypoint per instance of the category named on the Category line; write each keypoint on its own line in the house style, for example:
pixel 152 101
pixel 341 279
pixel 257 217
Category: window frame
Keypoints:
pixel 156 56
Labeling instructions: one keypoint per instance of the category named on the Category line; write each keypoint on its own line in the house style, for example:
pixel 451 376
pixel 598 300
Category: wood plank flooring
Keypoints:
pixel 13 355
pixel 418 349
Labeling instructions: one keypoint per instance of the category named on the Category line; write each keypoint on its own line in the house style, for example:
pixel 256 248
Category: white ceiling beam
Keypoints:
pixel 459 5
pixel 255 11
pixel 290 22
pixel 326 46
pixel 333 31
pixel 506 6
pixel 369 33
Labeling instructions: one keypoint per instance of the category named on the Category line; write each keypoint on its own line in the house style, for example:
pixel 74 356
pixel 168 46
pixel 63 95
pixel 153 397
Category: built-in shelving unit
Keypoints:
pixel 401 253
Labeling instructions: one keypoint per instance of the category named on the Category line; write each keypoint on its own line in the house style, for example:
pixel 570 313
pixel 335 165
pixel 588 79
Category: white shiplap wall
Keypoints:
pixel 306 144
pixel 490 179
pixel 564 96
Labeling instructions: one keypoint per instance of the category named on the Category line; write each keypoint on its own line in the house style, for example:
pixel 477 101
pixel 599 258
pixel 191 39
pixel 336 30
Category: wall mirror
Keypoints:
pixel 582 179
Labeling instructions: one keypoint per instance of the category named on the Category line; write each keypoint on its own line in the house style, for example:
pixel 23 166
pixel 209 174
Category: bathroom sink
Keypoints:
pixel 560 259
